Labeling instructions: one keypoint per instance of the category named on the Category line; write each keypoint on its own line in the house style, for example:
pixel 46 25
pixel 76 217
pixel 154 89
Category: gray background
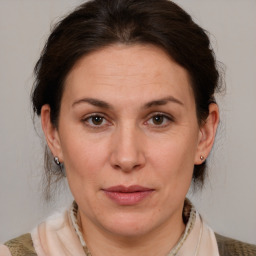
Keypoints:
pixel 228 202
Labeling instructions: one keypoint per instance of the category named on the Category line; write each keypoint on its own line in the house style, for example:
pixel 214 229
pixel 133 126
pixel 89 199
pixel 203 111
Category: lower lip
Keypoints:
pixel 128 198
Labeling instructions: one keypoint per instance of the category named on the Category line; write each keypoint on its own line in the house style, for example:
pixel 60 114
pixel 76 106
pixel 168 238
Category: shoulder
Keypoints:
pixel 21 246
pixel 231 247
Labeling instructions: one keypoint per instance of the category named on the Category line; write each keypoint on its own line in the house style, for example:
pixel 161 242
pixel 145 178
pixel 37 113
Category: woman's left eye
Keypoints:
pixel 160 120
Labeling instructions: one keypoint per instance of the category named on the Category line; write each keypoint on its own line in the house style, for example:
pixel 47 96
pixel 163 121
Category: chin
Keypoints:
pixel 129 225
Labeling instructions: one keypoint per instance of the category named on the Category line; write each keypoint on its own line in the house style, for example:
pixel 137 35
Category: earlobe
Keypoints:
pixel 207 134
pixel 51 132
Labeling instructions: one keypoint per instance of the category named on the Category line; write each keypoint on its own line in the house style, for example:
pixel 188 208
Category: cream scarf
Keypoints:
pixel 59 235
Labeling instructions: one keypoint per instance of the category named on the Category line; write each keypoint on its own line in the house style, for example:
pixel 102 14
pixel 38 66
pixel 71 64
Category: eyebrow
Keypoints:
pixel 103 104
pixel 94 102
pixel 163 101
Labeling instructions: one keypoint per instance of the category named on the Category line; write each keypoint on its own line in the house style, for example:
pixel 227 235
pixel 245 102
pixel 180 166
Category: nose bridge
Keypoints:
pixel 127 153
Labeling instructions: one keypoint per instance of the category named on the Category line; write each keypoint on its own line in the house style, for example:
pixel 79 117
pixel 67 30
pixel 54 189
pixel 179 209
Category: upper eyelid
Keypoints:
pixel 161 114
pixel 94 114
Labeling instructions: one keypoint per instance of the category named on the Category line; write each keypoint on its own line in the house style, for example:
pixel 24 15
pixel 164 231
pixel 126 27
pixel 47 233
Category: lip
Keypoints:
pixel 130 195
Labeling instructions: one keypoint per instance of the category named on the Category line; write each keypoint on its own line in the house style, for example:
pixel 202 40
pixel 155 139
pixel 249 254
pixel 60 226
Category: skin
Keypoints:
pixel 145 133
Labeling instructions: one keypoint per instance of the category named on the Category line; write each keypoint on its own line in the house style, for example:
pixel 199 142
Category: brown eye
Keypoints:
pixel 158 120
pixel 97 120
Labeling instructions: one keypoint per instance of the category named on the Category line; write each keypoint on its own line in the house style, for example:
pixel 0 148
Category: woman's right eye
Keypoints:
pixel 95 121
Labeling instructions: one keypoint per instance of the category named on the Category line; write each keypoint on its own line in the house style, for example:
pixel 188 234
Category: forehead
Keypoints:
pixel 133 70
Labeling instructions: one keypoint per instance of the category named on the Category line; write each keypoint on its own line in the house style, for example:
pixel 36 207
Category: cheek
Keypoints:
pixel 84 162
pixel 83 157
pixel 173 158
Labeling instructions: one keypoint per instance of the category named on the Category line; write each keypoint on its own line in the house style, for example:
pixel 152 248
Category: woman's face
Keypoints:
pixel 128 136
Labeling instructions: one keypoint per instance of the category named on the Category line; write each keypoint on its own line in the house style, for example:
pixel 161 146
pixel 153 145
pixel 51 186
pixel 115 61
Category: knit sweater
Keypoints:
pixel 23 245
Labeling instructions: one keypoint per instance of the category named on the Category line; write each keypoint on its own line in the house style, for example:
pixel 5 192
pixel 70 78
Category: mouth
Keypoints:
pixel 131 195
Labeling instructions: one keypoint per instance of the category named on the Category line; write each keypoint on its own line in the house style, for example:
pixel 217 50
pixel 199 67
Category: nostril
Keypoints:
pixel 117 167
pixel 137 166
pixel 127 167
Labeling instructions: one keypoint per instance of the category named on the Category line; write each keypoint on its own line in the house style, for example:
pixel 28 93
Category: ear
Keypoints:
pixel 207 134
pixel 51 132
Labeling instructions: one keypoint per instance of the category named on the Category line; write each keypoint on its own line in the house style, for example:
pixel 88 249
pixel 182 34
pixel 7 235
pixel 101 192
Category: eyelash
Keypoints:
pixel 167 119
pixel 88 120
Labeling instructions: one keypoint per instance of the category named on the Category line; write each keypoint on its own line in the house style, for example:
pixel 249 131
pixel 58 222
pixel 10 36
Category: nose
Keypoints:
pixel 127 149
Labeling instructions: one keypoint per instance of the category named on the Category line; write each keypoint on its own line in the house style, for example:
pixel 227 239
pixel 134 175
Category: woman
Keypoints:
pixel 125 91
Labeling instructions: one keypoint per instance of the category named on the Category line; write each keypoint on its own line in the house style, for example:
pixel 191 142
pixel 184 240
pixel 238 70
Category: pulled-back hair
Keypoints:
pixel 99 23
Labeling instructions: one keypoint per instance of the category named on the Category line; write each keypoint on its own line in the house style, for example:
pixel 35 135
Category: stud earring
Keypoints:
pixel 56 160
pixel 202 158
pixel 61 165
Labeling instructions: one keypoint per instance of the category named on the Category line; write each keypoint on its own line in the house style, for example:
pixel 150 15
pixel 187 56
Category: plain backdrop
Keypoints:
pixel 228 201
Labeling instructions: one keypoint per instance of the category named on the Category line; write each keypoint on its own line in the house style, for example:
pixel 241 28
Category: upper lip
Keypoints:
pixel 129 189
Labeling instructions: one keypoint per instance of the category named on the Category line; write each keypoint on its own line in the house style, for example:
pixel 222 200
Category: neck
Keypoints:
pixel 157 242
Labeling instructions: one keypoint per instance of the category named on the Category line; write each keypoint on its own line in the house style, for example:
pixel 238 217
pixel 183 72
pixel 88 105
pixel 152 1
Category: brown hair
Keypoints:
pixel 100 23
